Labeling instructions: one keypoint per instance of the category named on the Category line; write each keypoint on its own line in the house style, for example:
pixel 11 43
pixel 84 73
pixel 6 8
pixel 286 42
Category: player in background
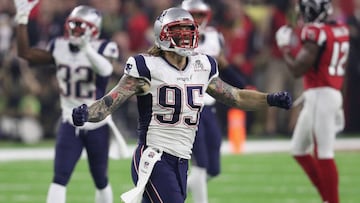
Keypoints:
pixel 321 62
pixel 82 73
pixel 170 82
pixel 205 157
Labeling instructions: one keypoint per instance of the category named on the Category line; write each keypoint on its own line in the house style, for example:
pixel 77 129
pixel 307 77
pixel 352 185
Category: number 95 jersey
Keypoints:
pixel 169 111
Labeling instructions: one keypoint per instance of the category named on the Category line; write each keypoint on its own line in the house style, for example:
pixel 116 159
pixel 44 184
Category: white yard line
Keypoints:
pixel 250 146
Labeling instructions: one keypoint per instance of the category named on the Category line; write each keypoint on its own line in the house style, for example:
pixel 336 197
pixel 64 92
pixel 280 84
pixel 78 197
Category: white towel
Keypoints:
pixel 147 162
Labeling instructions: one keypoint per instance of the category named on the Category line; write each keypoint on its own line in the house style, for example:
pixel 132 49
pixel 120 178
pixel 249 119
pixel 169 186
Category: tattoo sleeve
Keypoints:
pixel 126 87
pixel 243 99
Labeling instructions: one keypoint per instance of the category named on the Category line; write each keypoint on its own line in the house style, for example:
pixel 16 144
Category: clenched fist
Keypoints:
pixel 80 115
pixel 280 99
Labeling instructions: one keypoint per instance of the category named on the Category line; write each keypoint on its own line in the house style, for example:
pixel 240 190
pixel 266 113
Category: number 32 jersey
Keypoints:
pixel 333 40
pixel 77 80
pixel 169 112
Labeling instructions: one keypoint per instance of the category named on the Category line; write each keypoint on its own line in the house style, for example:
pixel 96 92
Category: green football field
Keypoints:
pixel 246 178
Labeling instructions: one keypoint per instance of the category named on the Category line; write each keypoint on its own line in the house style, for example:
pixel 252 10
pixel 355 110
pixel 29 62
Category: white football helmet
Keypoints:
pixel 175 30
pixel 200 11
pixel 80 19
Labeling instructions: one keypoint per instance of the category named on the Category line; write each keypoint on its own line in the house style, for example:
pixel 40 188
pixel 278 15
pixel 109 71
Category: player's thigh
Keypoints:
pixel 213 139
pixel 213 135
pixel 168 181
pixel 325 121
pixel 67 152
pixel 302 139
pixel 199 151
pixel 97 145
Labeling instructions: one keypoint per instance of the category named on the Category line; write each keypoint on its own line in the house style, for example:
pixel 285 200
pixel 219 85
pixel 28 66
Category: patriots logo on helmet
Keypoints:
pixel 161 17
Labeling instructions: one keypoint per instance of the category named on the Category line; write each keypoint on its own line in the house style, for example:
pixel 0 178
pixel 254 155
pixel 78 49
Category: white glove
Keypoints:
pixel 100 64
pixel 283 36
pixel 85 39
pixel 23 9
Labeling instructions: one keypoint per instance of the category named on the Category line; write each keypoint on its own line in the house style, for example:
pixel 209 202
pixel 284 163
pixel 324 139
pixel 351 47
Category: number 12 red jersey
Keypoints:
pixel 333 40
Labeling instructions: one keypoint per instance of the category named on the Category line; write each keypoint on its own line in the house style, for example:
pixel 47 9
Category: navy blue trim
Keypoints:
pixel 141 66
pixel 174 67
pixel 102 47
pixel 101 84
pixel 144 104
pixel 213 66
pixel 52 46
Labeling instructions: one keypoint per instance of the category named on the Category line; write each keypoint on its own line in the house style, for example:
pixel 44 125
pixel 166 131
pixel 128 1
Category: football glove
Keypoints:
pixel 280 99
pixel 283 36
pixel 85 39
pixel 23 9
pixel 80 115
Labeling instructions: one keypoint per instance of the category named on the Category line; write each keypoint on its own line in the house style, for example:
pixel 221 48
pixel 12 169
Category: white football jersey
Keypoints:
pixel 211 42
pixel 77 81
pixel 169 112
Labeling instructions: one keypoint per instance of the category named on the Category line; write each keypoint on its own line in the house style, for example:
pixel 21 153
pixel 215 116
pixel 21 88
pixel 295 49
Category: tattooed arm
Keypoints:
pixel 234 97
pixel 127 87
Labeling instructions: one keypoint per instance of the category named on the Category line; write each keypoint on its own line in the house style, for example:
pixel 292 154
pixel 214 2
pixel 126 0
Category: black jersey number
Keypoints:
pixel 73 82
pixel 172 97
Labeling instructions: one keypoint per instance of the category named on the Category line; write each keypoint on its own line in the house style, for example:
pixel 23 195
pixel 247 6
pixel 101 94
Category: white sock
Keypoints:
pixel 56 194
pixel 197 184
pixel 105 195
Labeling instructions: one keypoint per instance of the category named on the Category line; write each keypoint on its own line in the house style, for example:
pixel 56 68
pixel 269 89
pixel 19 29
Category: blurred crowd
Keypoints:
pixel 29 108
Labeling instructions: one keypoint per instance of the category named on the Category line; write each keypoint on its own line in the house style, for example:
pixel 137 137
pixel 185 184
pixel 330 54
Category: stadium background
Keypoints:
pixel 29 108
pixel 29 104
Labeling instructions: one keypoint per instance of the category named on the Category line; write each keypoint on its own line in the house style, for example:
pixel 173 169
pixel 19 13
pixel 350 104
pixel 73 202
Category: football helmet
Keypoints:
pixel 200 11
pixel 80 19
pixel 314 10
pixel 175 30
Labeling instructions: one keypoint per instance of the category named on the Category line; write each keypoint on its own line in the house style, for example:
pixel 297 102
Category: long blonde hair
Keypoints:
pixel 155 51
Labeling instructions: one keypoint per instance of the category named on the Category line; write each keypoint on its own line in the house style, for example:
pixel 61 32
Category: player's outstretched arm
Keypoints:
pixel 32 55
pixel 246 99
pixel 127 87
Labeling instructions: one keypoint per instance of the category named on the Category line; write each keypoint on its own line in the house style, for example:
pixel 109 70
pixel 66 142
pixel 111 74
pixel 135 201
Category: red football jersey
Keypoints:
pixel 333 40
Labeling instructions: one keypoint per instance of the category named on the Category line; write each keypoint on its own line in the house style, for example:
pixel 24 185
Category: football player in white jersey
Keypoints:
pixel 206 150
pixel 82 73
pixel 170 82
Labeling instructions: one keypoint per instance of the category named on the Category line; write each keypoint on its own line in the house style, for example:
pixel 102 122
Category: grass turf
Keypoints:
pixel 248 178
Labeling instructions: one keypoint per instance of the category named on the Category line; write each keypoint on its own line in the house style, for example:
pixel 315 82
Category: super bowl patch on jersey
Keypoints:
pixel 198 66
